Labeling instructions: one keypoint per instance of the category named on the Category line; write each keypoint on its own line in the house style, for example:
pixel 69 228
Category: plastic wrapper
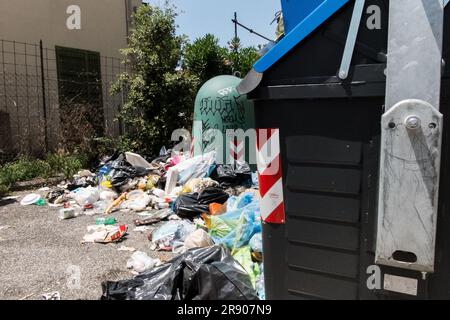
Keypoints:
pixel 192 205
pixel 199 274
pixel 171 232
pixel 153 217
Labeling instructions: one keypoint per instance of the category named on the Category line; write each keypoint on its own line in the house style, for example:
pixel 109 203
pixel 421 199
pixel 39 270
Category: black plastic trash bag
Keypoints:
pixel 121 171
pixel 209 273
pixel 191 205
pixel 230 176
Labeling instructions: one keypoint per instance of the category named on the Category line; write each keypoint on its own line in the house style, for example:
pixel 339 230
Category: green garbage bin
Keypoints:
pixel 219 106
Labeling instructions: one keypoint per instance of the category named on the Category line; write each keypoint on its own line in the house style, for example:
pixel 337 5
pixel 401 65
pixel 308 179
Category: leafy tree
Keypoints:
pixel 206 58
pixel 160 94
pixel 241 58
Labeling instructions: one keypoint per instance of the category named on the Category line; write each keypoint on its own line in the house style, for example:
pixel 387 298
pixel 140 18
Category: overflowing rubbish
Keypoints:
pixel 204 213
pixel 209 273
pixel 104 234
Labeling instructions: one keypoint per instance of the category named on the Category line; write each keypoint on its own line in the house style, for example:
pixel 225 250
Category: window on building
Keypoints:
pixel 80 84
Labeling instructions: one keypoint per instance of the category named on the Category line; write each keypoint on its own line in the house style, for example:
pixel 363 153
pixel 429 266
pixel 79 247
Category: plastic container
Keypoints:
pixel 68 213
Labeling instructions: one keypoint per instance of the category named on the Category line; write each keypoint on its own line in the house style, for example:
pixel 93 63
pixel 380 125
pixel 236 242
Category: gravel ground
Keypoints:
pixel 39 253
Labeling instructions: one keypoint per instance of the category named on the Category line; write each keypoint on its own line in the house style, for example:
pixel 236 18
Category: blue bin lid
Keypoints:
pixel 301 18
pixel 294 11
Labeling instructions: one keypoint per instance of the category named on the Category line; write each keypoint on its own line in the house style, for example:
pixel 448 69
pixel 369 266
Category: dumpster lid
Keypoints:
pixel 316 18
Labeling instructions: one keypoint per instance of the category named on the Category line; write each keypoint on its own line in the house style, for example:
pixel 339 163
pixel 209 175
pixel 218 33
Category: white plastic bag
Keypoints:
pixel 196 167
pixel 86 196
pixel 141 262
pixel 198 239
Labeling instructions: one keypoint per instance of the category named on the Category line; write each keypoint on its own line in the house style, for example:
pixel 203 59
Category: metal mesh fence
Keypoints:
pixel 37 84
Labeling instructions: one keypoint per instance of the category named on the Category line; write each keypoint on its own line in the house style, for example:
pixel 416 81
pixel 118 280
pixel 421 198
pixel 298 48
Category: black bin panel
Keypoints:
pixel 320 286
pixel 324 179
pixel 323 234
pixel 321 206
pixel 334 151
pixel 331 262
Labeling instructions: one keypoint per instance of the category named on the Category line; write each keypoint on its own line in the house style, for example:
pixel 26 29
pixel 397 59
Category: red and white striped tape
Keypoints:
pixel 270 176
pixel 237 150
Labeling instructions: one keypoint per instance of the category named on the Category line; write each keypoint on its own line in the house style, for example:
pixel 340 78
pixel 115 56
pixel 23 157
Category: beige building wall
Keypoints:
pixel 103 29
pixel 103 23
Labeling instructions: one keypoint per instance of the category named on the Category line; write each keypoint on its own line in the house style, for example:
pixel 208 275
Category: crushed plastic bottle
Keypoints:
pixel 106 221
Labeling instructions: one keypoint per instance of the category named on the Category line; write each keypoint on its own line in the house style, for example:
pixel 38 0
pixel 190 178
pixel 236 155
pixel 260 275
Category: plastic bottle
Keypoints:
pixel 106 221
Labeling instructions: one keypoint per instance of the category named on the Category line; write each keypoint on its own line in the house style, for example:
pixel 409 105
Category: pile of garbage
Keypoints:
pixel 205 213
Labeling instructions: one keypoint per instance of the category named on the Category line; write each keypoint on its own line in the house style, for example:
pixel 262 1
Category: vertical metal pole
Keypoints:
pixel 4 75
pixel 235 26
pixel 30 147
pixel 19 131
pixel 235 41
pixel 44 100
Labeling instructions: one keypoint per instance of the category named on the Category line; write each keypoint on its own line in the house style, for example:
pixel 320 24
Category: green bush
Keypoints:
pixel 24 169
pixel 66 165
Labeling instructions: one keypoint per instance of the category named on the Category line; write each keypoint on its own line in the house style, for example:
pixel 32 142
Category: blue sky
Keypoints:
pixel 199 17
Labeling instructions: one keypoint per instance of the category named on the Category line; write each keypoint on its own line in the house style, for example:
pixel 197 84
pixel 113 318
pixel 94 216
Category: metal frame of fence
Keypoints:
pixel 30 102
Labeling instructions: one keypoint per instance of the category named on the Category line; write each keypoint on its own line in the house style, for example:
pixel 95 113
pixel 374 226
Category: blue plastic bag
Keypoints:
pixel 248 222
pixel 256 243
pixel 235 203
